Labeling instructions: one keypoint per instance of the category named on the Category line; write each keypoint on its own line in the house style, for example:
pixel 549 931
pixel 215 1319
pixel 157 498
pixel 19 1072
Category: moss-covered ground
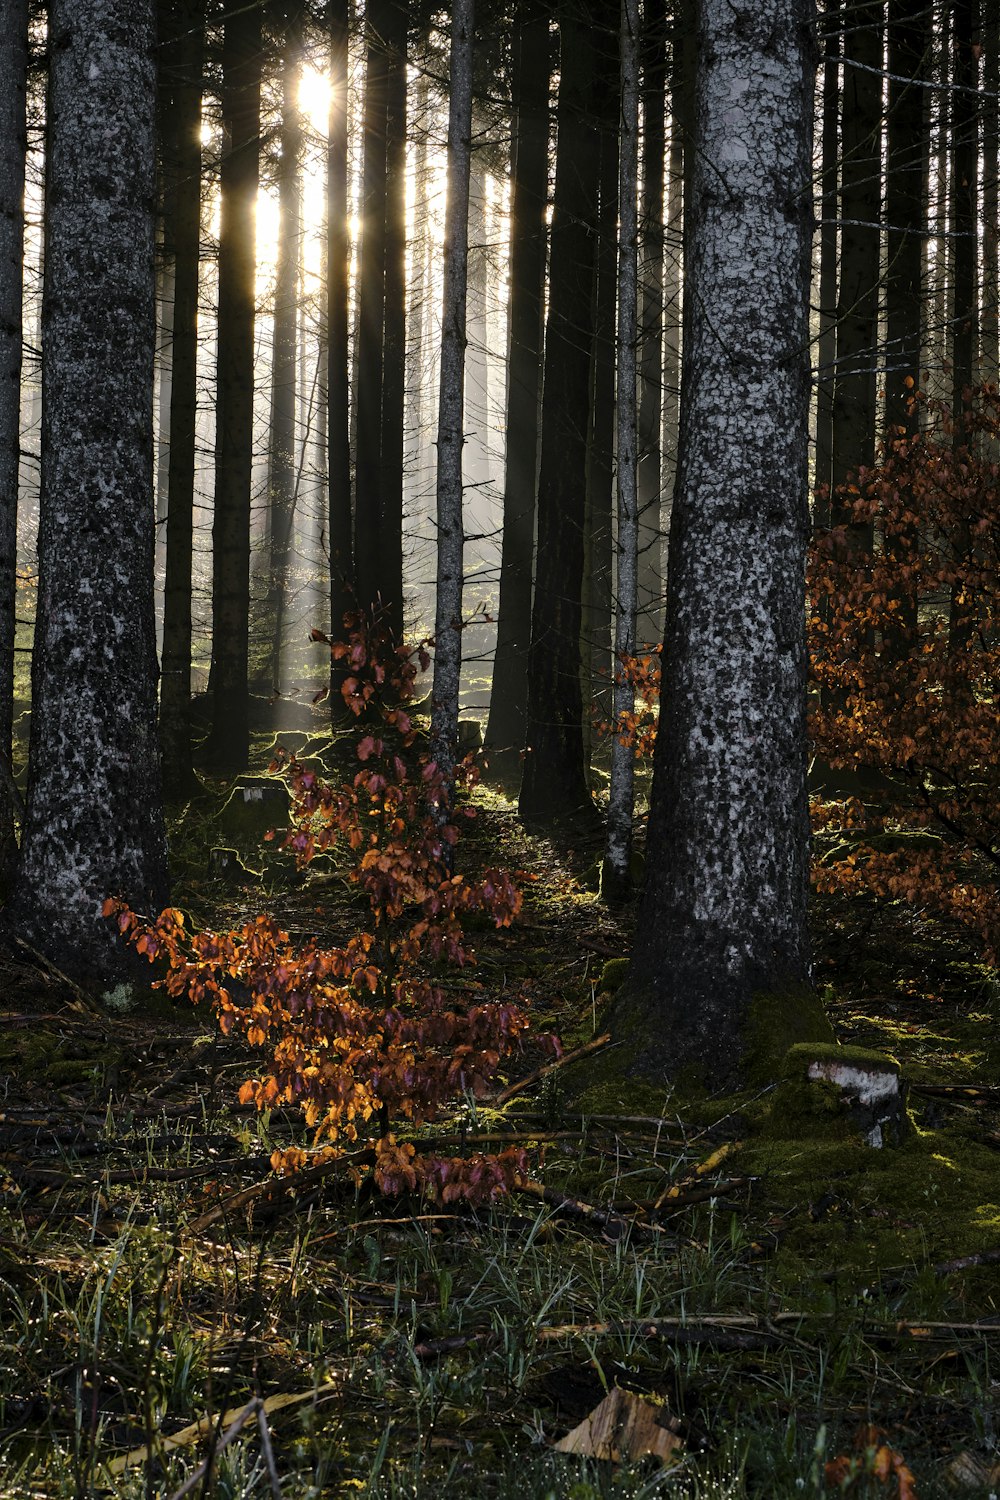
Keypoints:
pixel 743 1261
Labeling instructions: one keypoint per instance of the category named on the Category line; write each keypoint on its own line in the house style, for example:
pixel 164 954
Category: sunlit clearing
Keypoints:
pixel 314 96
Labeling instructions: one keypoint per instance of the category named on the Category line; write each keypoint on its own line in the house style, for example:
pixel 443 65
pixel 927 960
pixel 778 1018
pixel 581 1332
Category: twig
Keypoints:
pixel 431 1348
pixel 278 1188
pixel 718 1332
pixel 593 946
pixel 251 1409
pixel 560 1062
pixel 48 967
pixel 575 1208
pixel 268 1451
pixel 676 1189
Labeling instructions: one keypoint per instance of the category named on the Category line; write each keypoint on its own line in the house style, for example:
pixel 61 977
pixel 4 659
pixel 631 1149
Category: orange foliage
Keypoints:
pixel 872 1459
pixel 360 1034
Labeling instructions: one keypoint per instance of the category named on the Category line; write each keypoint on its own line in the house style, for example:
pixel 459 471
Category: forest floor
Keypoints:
pixel 804 1316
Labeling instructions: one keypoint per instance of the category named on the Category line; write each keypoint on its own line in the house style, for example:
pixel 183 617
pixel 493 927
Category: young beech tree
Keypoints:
pixel 94 824
pixel 723 913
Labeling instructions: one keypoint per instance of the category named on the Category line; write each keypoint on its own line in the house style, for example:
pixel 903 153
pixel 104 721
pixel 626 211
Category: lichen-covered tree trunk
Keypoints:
pixel 723 913
pixel 618 849
pixel 94 824
pixel 13 145
pixel 182 48
pixel 229 741
pixel 451 401
pixel 554 782
pixel 529 186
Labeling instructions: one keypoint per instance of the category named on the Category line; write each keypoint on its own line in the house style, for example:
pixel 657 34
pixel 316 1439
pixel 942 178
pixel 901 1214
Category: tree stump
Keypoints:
pixel 872 1089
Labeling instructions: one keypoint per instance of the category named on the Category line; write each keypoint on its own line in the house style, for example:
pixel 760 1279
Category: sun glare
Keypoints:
pixel 314 96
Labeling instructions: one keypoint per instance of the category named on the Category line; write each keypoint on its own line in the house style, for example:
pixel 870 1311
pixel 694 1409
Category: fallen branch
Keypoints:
pixel 574 1208
pixel 676 1189
pixel 568 1057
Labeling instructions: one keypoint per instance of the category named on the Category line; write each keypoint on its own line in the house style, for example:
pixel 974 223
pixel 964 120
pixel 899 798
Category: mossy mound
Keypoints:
pixel 776 1021
pixel 255 804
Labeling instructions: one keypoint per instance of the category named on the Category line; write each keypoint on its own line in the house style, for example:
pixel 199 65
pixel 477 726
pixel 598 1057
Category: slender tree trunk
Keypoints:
pixel 282 482
pixel 13 148
pixel 529 178
pixel 555 780
pixel 618 851
pixel 338 301
pixel 650 489
pixel 724 910
pixel 451 403
pixel 906 146
pixel 183 54
pixel 229 740
pixel 964 172
pixel 598 563
pixel 390 494
pixel 476 461
pixel 371 304
pixel 854 396
pixel 826 350
pixel 681 102
pixel 94 824
pixel 990 333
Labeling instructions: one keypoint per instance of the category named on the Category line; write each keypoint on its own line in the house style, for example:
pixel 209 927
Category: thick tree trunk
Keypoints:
pixel 94 824
pixel 723 914
pixel 650 488
pixel 282 483
pixel 618 851
pixel 371 305
pixel 554 782
pixel 338 302
pixel 390 536
pixel 451 403
pixel 229 741
pixel 183 57
pixel 529 188
pixel 13 146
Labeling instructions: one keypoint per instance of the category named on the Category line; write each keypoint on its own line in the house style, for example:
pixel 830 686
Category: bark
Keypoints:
pixel 826 351
pixel 990 331
pixel 723 912
pixel 965 160
pixel 183 49
pixel 906 148
pixel 338 263
pixel 229 740
pixel 13 146
pixel 854 396
pixel 371 305
pixel 618 851
pixel 529 189
pixel 554 782
pixel 390 492
pixel 681 99
pixel 282 482
pixel 451 403
pixel 650 490
pixel 94 824
pixel 597 605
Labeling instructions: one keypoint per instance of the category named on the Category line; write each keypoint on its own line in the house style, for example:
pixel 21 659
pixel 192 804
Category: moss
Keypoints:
pixel 802 1054
pixel 613 975
pixel 776 1021
pixel 620 1096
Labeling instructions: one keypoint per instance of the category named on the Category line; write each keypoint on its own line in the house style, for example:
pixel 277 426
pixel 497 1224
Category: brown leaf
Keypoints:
pixel 623 1426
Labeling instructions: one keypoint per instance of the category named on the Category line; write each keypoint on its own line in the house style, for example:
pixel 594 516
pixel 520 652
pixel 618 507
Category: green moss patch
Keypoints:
pixel 777 1021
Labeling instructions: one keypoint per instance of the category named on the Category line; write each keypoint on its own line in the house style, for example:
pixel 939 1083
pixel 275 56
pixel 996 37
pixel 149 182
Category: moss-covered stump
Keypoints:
pixel 226 864
pixel 872 1091
pixel 255 804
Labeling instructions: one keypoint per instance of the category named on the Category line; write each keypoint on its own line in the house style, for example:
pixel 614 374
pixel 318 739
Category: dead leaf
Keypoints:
pixel 624 1426
pixel 967 1472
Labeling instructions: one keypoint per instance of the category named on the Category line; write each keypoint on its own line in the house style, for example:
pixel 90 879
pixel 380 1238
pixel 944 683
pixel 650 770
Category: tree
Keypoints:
pixel 723 912
pixel 451 404
pixel 617 856
pixel 338 305
pixel 182 48
pixel 555 780
pixel 649 481
pixel 13 145
pixel 529 190
pixel 229 741
pixel 94 824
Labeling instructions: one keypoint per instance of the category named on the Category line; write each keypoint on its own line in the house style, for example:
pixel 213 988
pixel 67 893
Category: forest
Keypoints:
pixel 499 797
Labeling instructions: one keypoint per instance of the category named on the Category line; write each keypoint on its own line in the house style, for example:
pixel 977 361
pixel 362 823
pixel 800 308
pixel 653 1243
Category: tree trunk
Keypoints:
pixel 906 146
pixel 555 780
pixel 183 56
pixel 13 147
pixel 826 348
pixel 990 332
pixel 390 493
pixel 229 740
pixel 854 396
pixel 338 303
pixel 681 99
pixel 451 404
pixel 618 851
pixel 965 163
pixel 371 305
pixel 282 482
pixel 598 542
pixel 724 909
pixel 529 190
pixel 94 823
pixel 650 489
